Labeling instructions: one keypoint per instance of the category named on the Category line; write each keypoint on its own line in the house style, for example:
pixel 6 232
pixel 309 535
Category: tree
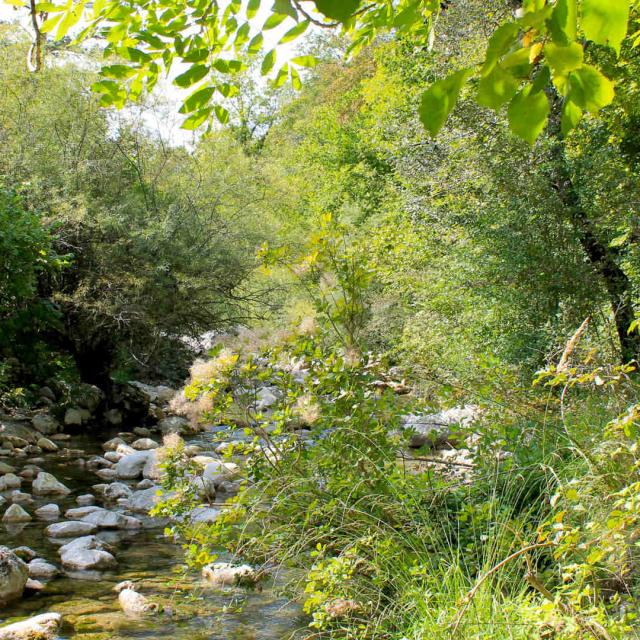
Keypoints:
pixel 163 239
pixel 542 46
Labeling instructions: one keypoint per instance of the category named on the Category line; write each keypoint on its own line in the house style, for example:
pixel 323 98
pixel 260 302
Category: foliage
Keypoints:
pixel 154 230
pixel 541 49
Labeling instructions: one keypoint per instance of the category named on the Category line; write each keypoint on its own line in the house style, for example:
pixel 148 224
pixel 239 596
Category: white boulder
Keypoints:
pixel 46 484
pixel 42 627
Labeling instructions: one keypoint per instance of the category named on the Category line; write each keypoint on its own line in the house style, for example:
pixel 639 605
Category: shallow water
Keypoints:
pixel 192 610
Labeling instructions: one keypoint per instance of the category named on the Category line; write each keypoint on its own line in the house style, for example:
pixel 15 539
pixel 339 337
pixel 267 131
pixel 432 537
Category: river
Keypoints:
pixel 87 601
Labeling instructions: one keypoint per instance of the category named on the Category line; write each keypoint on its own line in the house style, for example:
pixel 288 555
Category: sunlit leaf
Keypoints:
pixel 563 21
pixel 197 100
pixel 528 113
pixel 605 21
pixel 563 59
pixel 294 32
pixel 337 9
pixel 269 62
pixel 590 89
pixel 497 88
pixel 305 61
pixel 192 75
pixel 439 100
pixel 196 119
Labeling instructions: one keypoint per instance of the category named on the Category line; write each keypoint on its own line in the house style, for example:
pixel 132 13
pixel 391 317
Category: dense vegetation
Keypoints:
pixel 471 268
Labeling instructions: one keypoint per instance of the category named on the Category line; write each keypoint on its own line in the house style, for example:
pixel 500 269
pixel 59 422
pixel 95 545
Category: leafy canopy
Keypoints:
pixel 539 50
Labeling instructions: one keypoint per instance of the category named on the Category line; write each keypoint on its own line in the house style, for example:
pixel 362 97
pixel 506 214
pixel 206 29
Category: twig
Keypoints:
pixel 451 463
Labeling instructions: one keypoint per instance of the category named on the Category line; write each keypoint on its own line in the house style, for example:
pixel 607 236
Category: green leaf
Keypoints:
pixel 268 62
pixel 282 76
pixel 197 55
pixel 562 59
pixel 252 8
pixel 105 86
pixel 285 8
pixel 50 24
pixel 255 45
pixel 197 100
pixel 49 7
pixel 69 20
pixel 497 88
pixel 296 82
pixel 605 21
pixel 222 114
pixel 243 34
pixel 340 10
pixel 589 89
pixel 563 22
pixel 294 32
pixel 500 42
pixel 192 75
pixel 305 61
pixel 439 100
pixel 196 119
pixel 274 20
pixel 228 90
pixel 118 71
pixel 528 114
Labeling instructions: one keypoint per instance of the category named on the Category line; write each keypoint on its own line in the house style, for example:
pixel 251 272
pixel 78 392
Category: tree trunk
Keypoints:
pixel 601 256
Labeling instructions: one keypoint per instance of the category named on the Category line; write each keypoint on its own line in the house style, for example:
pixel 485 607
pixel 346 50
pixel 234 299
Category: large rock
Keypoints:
pixel 88 396
pixel 17 431
pixel 47 445
pixel 48 512
pixel 76 416
pixel 266 397
pixel 105 519
pixel 70 529
pixel 13 575
pixel 115 491
pixel 15 513
pixel 157 394
pixel 113 417
pixel 9 481
pixel 214 474
pixel 144 444
pixel 205 515
pixel 46 484
pixel 436 429
pixel 132 602
pixel 131 466
pixel 78 513
pixel 174 424
pixel 132 402
pixel 152 469
pixel 223 574
pixel 42 627
pixel 39 568
pixel 46 424
pixel 86 553
pixel 143 501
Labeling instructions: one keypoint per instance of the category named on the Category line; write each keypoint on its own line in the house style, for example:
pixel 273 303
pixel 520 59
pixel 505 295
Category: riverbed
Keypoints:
pixel 190 608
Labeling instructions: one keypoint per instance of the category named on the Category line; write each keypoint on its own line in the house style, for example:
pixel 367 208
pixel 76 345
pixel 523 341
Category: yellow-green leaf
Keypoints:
pixel 528 113
pixel 590 89
pixel 605 21
pixel 439 100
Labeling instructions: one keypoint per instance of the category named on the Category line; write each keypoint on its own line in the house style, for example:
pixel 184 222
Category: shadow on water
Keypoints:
pixel 191 610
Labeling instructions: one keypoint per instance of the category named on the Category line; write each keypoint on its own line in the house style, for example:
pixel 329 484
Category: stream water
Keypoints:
pixel 192 610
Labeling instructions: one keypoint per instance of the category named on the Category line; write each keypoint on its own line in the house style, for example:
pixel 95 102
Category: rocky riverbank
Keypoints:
pixel 77 489
pixel 75 523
